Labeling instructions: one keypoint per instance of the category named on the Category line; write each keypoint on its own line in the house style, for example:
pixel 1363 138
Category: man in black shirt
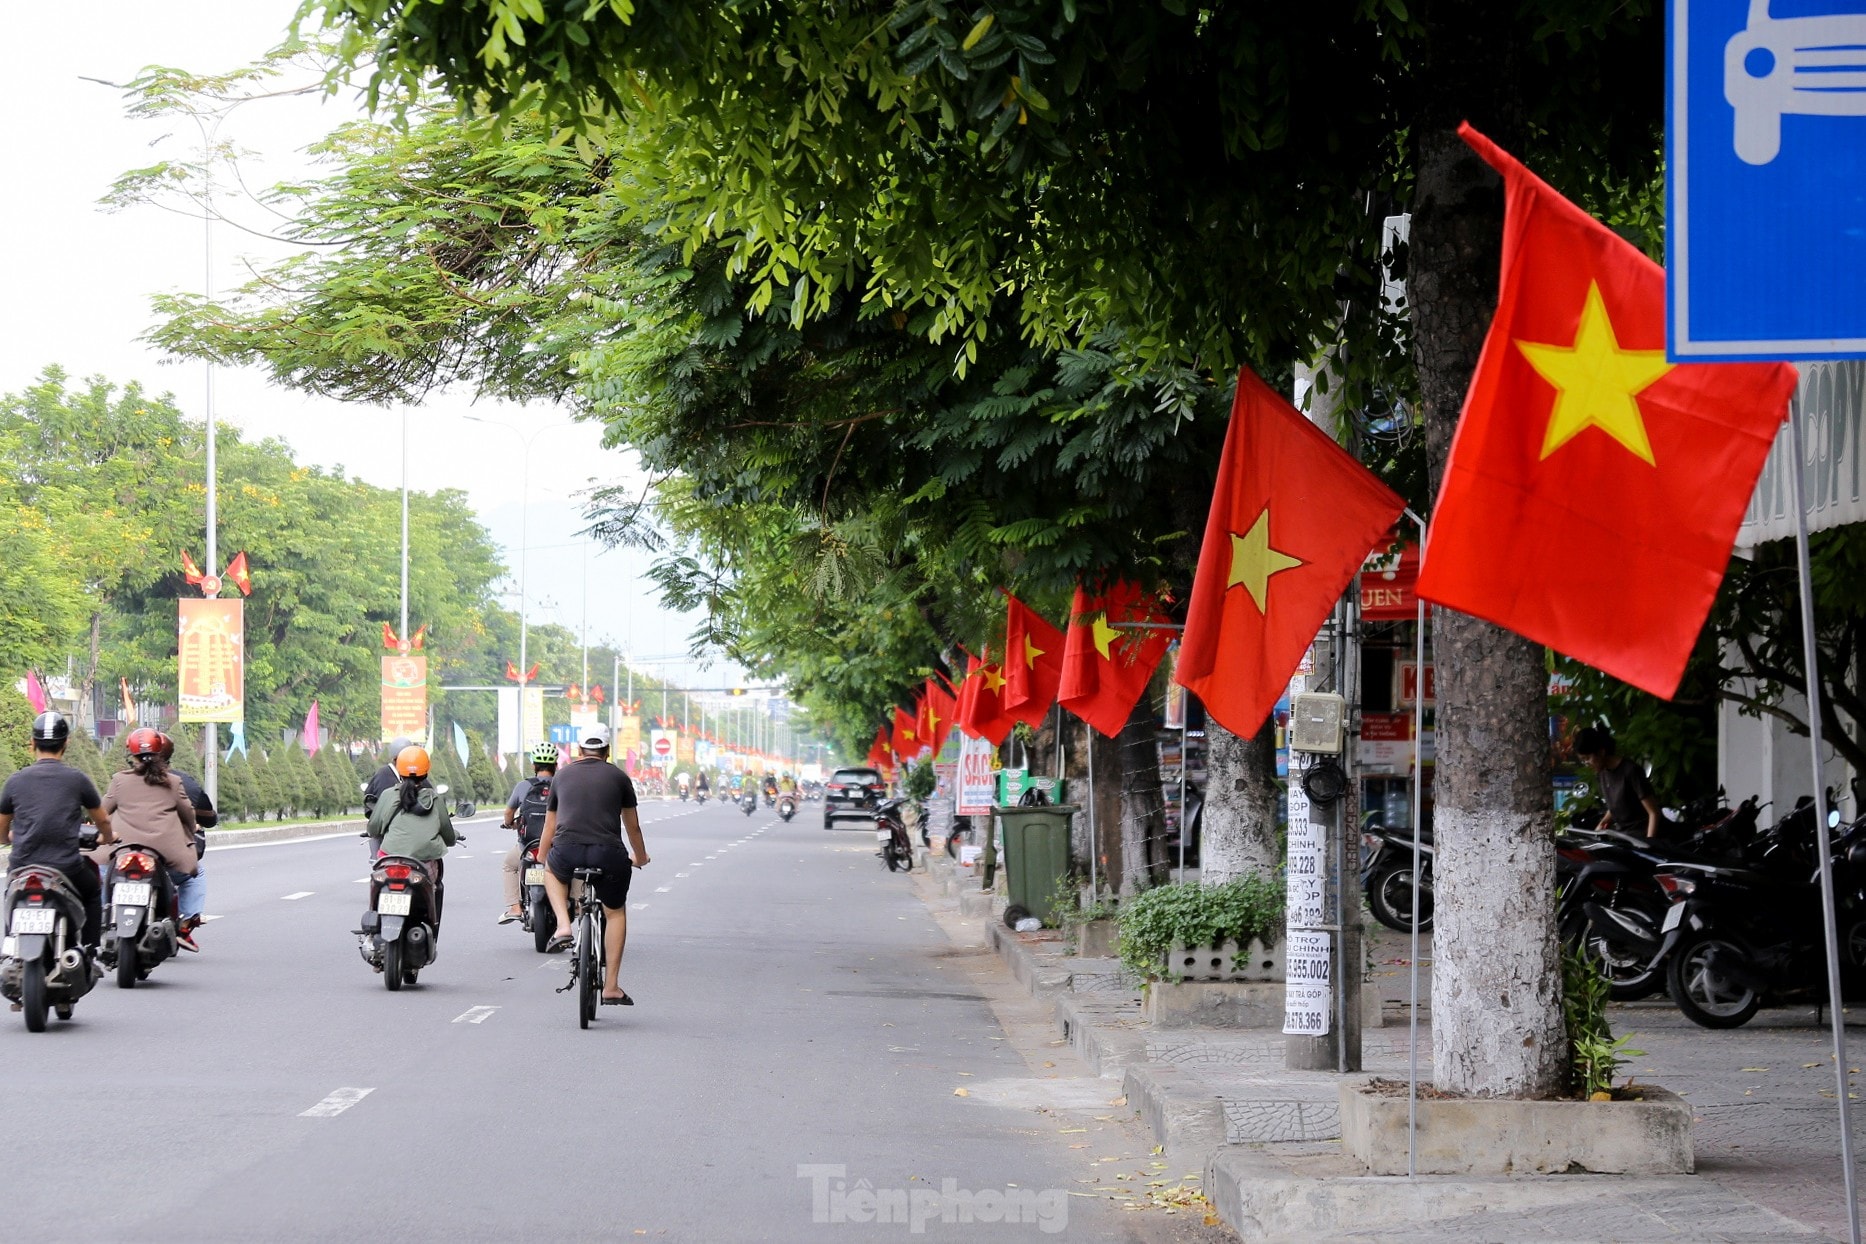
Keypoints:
pixel 42 810
pixel 1632 807
pixel 591 802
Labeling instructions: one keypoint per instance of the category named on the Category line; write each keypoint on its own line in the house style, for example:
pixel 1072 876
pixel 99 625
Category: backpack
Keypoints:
pixel 532 807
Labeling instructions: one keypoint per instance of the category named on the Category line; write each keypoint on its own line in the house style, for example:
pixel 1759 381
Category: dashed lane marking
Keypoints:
pixel 663 889
pixel 475 1015
pixel 301 894
pixel 336 1103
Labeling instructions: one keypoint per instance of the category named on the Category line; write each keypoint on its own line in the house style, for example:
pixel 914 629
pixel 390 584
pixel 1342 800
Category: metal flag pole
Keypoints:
pixel 1185 762
pixel 1418 821
pixel 1094 830
pixel 1811 662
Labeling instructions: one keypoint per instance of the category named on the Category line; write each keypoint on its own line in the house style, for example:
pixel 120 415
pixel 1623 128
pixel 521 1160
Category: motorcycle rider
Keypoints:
pixel 47 801
pixel 154 811
pixel 770 788
pixel 686 784
pixel 534 790
pixel 787 785
pixel 414 823
pixel 385 778
pixel 701 786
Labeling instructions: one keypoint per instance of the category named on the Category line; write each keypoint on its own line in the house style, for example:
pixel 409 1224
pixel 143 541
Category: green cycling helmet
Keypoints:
pixel 544 754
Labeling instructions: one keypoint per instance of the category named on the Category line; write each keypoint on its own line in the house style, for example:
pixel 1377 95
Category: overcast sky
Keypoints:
pixel 78 280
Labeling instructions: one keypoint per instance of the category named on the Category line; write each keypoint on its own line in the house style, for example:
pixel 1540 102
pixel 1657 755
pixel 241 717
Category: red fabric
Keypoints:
pixel 906 738
pixel 878 753
pixel 938 713
pixel 1312 513
pixel 1586 545
pixel 981 711
pixel 1106 669
pixel 311 730
pixel 1033 663
pixel 237 571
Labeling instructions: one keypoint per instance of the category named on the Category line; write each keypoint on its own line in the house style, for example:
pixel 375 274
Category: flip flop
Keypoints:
pixel 507 917
pixel 624 1000
pixel 563 941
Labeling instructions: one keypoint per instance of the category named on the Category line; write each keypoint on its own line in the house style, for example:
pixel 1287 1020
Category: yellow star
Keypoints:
pixel 994 681
pixel 1031 651
pixel 1253 561
pixel 1103 635
pixel 1595 382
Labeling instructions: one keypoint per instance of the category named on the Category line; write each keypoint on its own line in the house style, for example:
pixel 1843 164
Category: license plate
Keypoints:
pixel 1673 918
pixel 130 893
pixel 34 920
pixel 392 904
pixel 883 835
pixel 534 876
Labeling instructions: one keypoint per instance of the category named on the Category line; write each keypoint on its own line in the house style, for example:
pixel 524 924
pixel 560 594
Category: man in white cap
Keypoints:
pixel 591 803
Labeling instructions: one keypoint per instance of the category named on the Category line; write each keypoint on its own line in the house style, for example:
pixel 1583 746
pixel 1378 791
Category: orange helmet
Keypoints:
pixel 412 762
pixel 144 742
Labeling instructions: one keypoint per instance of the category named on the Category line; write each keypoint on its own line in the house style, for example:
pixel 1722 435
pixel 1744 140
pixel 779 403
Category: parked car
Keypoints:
pixel 852 792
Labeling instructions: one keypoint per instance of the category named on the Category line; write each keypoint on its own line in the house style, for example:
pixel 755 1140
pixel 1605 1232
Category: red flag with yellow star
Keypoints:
pixel 1594 490
pixel 1033 663
pixel 938 711
pixel 906 736
pixel 1106 668
pixel 1293 517
pixel 981 713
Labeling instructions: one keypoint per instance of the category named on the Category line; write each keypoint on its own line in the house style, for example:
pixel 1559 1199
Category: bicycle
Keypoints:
pixel 591 925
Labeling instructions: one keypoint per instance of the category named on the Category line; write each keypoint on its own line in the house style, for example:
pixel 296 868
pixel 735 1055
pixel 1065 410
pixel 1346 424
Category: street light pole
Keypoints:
pixel 404 632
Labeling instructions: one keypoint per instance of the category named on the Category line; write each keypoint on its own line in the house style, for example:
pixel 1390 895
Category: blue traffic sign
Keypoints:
pixel 563 734
pixel 1766 179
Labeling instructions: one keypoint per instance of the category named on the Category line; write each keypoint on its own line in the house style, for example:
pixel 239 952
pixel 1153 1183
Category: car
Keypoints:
pixel 852 792
pixel 1792 66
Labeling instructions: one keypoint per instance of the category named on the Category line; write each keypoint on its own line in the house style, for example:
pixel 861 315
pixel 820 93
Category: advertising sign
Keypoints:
pixel 1406 682
pixel 1389 583
pixel 1175 694
pixel 211 660
pixel 683 749
pixel 977 783
pixel 1386 742
pixel 1306 995
pixel 405 696
pixel 628 735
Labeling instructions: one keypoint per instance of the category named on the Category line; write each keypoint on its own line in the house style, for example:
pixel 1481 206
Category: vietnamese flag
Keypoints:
pixel 1033 663
pixel 906 738
pixel 1105 668
pixel 939 712
pixel 1594 490
pixel 981 714
pixel 1293 517
pixel 878 754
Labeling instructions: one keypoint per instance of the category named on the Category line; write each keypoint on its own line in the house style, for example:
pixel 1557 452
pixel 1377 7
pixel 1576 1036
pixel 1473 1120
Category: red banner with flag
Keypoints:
pixel 1594 490
pixel 1106 668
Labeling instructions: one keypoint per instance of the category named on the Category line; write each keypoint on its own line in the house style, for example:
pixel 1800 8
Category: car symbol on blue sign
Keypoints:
pixel 1766 179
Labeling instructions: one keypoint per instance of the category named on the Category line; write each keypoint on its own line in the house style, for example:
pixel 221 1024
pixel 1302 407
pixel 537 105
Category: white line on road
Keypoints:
pixel 300 894
pixel 336 1103
pixel 475 1015
pixel 683 874
pixel 360 881
pixel 205 919
pixel 639 906
pixel 662 889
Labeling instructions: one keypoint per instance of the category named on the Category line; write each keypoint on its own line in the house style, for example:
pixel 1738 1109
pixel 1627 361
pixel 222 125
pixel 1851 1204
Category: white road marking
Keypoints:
pixel 205 919
pixel 300 894
pixel 683 874
pixel 712 857
pixel 336 1103
pixel 475 1015
pixel 360 881
pixel 639 906
pixel 663 889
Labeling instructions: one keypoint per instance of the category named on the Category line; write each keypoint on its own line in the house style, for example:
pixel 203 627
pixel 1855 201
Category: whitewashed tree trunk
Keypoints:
pixel 1135 758
pixel 1238 827
pixel 1496 981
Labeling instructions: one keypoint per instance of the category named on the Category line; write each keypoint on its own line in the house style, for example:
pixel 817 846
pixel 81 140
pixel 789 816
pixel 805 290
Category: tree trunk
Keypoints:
pixel 1136 762
pixel 1237 835
pixel 87 694
pixel 1496 980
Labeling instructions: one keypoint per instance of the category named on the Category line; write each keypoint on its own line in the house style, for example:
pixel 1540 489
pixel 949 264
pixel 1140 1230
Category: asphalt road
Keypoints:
pixel 797 1007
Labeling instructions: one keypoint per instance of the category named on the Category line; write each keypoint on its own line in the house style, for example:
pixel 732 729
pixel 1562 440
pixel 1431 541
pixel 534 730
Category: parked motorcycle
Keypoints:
pixel 787 807
pixel 143 924
pixel 748 802
pixel 896 848
pixel 537 918
pixel 42 961
pixel 1739 938
pixel 399 927
pixel 1386 877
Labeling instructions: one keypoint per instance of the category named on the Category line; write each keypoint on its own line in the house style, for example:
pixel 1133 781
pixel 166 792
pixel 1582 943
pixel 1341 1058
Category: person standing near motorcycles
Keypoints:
pixel 1632 806
pixel 592 801
pixel 154 811
pixel 413 823
pixel 42 810
pixel 525 810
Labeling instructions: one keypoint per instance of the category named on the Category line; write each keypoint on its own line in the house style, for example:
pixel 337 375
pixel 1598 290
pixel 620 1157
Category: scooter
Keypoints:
pixel 398 932
pixel 749 802
pixel 787 807
pixel 42 963
pixel 537 918
pixel 896 848
pixel 1386 877
pixel 144 923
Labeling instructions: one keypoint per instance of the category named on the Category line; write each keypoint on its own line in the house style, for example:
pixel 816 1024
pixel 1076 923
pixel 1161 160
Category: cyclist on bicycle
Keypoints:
pixel 591 803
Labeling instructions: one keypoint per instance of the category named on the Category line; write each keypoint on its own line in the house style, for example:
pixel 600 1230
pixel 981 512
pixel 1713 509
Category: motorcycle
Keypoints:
pixel 537 918
pixel 787 807
pixel 683 793
pixel 143 925
pixel 1739 937
pixel 398 932
pixel 770 798
pixel 42 963
pixel 1386 877
pixel 896 849
pixel 749 802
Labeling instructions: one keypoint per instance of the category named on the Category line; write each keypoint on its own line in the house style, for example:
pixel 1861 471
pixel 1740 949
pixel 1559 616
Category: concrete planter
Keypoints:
pixel 1498 1136
pixel 1096 939
pixel 1225 962
pixel 1231 1004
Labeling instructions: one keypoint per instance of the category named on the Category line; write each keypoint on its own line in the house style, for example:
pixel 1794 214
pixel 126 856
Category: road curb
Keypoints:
pixel 282 833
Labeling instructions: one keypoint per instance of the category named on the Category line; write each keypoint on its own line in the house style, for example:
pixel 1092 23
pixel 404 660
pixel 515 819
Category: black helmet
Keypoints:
pixel 50 727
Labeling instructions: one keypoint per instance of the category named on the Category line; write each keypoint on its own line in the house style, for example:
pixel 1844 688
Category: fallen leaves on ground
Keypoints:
pixel 962 1092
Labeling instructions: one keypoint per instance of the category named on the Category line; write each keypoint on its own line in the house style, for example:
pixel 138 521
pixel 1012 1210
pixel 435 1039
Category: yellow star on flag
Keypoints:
pixel 1104 636
pixel 1253 561
pixel 1596 382
pixel 1031 652
pixel 994 681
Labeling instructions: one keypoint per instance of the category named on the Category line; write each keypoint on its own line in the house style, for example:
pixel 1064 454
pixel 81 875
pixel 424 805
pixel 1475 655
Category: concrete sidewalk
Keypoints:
pixel 1221 1100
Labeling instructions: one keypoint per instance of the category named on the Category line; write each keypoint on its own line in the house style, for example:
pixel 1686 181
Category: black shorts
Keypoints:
pixel 612 886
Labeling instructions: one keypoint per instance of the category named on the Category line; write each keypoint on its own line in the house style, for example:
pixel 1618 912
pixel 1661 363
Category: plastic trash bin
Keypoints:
pixel 1036 855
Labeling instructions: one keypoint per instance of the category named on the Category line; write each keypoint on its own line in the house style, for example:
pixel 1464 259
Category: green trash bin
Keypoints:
pixel 1036 855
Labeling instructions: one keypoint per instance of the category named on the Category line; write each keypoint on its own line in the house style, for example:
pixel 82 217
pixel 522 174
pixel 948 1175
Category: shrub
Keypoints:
pixel 1594 1055
pixel 1190 914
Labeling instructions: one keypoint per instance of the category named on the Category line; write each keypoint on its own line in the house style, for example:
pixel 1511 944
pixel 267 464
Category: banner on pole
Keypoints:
pixel 1306 995
pixel 977 782
pixel 404 697
pixel 683 748
pixel 628 735
pixel 211 661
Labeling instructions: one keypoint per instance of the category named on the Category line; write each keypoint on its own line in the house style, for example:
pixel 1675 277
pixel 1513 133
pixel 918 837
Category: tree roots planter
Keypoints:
pixel 1503 1136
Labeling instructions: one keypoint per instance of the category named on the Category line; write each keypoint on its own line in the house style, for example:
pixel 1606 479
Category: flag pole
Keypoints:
pixel 1418 820
pixel 1094 837
pixel 1811 663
